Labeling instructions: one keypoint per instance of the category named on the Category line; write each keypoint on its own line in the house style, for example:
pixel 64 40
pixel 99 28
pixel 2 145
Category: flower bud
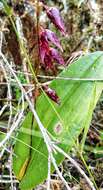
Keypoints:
pixel 51 94
pixel 54 15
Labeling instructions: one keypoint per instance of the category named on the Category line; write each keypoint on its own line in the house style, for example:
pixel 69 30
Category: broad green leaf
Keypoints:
pixel 78 100
pixel 21 150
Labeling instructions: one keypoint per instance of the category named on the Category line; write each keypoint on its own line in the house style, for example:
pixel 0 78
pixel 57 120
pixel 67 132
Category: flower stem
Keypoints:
pixel 37 34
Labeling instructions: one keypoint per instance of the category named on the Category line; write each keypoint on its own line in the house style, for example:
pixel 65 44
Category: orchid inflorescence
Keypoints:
pixel 47 53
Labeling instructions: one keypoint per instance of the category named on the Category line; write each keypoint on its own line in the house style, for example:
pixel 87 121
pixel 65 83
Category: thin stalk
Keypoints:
pixel 37 35
pixel 85 164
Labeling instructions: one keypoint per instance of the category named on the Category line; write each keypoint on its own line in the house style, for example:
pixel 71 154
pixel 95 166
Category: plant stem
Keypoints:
pixel 37 35
pixel 85 164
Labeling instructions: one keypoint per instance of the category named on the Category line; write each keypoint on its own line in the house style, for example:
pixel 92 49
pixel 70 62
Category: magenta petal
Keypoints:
pixel 44 46
pixel 54 14
pixel 52 94
pixel 56 56
pixel 43 50
pixel 48 62
pixel 51 36
pixel 42 53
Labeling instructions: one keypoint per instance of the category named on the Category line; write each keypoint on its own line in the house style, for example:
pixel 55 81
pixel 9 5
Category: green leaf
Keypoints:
pixel 21 150
pixel 78 100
